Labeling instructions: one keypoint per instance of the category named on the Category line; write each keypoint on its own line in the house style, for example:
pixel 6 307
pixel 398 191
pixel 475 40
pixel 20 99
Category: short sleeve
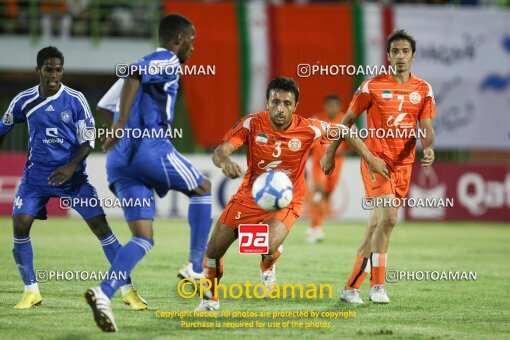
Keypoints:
pixel 84 122
pixel 153 71
pixel 12 116
pixel 361 100
pixel 111 98
pixel 428 109
pixel 321 129
pixel 239 134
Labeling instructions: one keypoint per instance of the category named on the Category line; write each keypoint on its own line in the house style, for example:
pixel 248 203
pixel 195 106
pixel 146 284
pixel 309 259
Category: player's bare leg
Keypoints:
pixel 379 248
pixel 278 231
pixel 24 258
pixel 221 239
pixel 99 298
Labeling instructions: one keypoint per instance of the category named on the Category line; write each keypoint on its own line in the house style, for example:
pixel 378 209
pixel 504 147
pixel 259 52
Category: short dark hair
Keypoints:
pixel 48 53
pixel 332 96
pixel 400 35
pixel 171 25
pixel 284 84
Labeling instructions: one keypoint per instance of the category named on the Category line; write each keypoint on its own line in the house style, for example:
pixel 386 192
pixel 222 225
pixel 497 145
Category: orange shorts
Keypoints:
pixel 376 185
pixel 327 182
pixel 237 213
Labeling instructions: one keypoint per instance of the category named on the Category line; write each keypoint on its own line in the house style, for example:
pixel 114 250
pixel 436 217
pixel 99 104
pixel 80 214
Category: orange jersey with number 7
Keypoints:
pixel 393 106
pixel 269 149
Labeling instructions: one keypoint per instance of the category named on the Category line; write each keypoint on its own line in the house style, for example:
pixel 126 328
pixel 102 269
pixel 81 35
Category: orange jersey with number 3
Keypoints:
pixel 393 106
pixel 269 149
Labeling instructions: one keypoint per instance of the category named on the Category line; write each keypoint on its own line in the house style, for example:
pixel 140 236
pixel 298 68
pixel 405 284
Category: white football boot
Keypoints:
pixel 102 309
pixel 378 294
pixel 351 296
pixel 207 305
pixel 187 272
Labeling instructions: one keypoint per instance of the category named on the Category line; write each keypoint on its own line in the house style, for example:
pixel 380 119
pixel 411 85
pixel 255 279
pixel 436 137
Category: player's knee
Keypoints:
pixel 388 222
pixel 206 186
pixel 99 226
pixel 202 189
pixel 213 252
pixel 21 225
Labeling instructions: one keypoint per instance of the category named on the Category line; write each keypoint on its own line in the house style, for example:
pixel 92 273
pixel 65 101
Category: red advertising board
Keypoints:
pixel 477 192
pixel 11 172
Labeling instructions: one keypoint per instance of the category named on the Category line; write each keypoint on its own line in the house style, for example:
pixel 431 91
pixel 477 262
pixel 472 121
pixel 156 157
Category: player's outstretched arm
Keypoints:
pixel 127 97
pixel 328 160
pixel 221 160
pixel 427 141
pixel 63 173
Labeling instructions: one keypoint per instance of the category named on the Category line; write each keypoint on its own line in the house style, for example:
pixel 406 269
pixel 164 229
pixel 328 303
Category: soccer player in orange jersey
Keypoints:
pixel 276 139
pixel 393 102
pixel 324 185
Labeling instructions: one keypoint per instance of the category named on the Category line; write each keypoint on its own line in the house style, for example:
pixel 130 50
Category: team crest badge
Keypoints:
pixel 66 116
pixel 387 95
pixel 294 144
pixel 261 139
pixel 8 119
pixel 415 97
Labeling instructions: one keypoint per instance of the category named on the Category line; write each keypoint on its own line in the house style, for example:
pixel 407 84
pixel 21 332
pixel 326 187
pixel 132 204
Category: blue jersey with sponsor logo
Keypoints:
pixel 55 126
pixel 153 107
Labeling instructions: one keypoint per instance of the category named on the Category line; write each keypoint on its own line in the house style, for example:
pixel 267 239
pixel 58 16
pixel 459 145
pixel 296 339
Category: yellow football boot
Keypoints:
pixel 28 300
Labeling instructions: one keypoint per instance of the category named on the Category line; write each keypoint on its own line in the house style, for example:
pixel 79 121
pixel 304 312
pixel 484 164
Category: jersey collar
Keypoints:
pixel 56 95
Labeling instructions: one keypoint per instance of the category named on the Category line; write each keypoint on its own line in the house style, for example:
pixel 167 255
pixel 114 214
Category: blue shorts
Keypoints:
pixel 31 199
pixel 154 166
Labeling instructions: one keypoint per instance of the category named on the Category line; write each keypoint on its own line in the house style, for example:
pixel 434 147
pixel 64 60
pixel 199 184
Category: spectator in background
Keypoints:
pixel 56 9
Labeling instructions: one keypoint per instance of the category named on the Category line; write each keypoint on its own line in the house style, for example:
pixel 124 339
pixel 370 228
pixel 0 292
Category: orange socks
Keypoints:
pixel 378 269
pixel 213 269
pixel 359 273
pixel 268 260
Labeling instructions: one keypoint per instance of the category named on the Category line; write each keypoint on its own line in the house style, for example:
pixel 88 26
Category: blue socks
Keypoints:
pixel 24 258
pixel 199 219
pixel 111 246
pixel 126 259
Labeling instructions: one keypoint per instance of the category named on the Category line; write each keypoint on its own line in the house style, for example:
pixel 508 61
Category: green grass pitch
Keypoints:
pixel 418 309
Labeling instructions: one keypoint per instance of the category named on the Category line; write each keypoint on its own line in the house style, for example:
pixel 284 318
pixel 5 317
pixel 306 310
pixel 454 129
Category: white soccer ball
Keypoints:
pixel 273 190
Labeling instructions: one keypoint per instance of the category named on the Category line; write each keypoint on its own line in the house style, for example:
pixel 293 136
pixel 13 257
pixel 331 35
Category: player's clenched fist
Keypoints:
pixel 230 169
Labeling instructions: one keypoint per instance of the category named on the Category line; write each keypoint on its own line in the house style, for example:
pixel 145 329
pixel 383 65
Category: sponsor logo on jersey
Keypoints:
pixel 66 116
pixel 387 95
pixel 294 144
pixel 8 119
pixel 52 133
pixel 398 121
pixel 415 97
pixel 50 108
pixel 269 166
pixel 273 166
pixel 261 139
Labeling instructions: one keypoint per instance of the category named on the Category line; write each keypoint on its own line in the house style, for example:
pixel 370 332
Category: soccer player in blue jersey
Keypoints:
pixel 136 167
pixel 108 108
pixel 55 115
